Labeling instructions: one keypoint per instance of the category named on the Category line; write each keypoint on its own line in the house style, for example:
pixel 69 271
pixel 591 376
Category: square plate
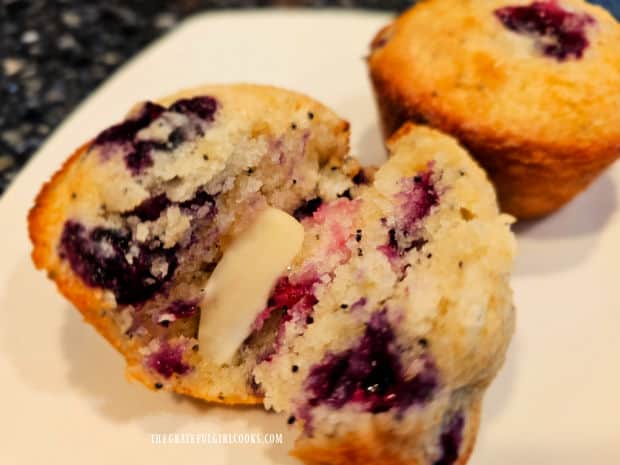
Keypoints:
pixel 65 400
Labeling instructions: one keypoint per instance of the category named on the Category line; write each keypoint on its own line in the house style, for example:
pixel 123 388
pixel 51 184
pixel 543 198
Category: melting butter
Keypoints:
pixel 240 285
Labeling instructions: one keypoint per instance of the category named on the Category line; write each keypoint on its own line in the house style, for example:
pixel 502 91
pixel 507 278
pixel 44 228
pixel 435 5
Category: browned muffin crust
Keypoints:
pixel 375 447
pixel 543 129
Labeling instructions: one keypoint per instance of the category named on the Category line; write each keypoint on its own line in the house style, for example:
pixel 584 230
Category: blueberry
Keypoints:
pixel 200 198
pixel 559 33
pixel 346 194
pixel 203 107
pixel 151 208
pixel 127 130
pixel 307 208
pixel 370 374
pixel 288 295
pixel 296 299
pixel 360 178
pixel 100 259
pixel 175 139
pixel 140 158
pixel 450 440
pixel 183 308
pixel 168 360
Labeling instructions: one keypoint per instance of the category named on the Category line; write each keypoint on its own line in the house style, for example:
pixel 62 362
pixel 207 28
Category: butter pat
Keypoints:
pixel 240 285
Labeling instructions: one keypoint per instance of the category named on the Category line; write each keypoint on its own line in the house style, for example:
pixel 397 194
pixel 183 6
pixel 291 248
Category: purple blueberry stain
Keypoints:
pixel 390 248
pixel 201 206
pixel 370 374
pixel 359 303
pixel 450 440
pixel 296 299
pixel 151 208
pixel 200 199
pixel 182 308
pixel 107 258
pixel 177 310
pixel 140 157
pixel 308 208
pixel 416 199
pixel 361 178
pixel 558 33
pixel 168 360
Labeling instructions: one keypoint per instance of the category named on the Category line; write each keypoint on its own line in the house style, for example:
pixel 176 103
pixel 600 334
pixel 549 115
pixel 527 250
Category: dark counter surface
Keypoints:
pixel 54 53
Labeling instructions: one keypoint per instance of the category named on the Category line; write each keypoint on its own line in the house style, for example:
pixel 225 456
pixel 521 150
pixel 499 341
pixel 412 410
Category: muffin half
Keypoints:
pixel 398 313
pixel 134 224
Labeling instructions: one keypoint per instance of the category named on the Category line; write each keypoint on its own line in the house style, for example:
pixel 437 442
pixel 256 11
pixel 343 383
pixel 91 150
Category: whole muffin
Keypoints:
pixel 530 88
pixel 398 313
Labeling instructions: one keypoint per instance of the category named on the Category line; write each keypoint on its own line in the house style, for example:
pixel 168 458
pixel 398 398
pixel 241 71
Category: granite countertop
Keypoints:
pixel 54 53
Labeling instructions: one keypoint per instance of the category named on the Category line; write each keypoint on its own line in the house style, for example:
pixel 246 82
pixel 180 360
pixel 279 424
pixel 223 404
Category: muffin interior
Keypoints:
pixel 390 303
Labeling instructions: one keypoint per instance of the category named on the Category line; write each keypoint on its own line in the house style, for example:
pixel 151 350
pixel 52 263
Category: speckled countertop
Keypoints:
pixel 54 53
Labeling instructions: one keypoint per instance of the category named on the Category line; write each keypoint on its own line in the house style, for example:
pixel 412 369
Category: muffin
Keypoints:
pixel 223 241
pixel 397 313
pixel 133 225
pixel 530 88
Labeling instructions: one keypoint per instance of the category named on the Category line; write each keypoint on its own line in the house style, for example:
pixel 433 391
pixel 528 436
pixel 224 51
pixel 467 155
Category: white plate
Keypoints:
pixel 64 399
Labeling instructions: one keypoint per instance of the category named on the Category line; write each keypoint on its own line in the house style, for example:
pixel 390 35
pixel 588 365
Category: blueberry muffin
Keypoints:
pixel 528 86
pixel 225 244
pixel 396 313
pixel 134 224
